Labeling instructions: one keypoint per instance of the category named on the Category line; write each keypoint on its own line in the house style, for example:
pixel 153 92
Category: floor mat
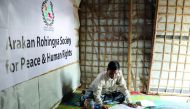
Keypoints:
pixel 72 101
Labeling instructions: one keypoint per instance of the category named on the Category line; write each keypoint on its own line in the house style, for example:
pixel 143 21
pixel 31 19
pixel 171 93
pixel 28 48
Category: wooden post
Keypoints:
pixel 129 45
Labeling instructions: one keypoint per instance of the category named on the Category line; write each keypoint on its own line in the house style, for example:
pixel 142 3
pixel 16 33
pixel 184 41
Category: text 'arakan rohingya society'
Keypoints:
pixel 23 43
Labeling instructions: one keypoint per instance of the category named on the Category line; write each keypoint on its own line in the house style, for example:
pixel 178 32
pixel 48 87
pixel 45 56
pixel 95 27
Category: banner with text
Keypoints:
pixel 36 36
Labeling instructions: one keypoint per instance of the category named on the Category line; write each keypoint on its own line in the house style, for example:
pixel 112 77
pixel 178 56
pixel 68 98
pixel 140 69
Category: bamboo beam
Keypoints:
pixel 129 45
pixel 171 70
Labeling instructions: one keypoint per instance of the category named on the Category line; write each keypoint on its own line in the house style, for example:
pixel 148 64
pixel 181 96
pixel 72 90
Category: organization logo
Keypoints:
pixel 47 13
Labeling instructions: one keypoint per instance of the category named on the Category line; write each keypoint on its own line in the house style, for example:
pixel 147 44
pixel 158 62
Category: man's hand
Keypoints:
pixel 104 107
pixel 132 105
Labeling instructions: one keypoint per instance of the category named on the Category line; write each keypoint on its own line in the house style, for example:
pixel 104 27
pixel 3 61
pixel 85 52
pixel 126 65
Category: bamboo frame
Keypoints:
pixel 104 33
pixel 177 35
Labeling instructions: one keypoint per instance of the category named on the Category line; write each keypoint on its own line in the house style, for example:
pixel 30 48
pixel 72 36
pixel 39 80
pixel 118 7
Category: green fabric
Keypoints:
pixel 144 97
pixel 62 106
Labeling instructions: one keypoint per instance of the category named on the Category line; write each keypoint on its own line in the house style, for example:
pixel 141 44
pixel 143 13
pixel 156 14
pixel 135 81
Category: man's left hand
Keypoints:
pixel 132 105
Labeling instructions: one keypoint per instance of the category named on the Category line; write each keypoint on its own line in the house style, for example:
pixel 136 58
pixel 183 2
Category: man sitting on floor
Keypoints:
pixel 108 86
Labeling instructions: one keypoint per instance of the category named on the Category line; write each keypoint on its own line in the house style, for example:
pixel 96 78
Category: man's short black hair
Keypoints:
pixel 113 65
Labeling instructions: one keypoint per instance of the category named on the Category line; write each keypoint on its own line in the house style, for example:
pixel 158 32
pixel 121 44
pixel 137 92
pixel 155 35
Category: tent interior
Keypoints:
pixel 76 39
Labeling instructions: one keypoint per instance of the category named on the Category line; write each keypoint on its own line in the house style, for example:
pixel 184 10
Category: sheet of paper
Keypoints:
pixel 146 103
pixel 123 106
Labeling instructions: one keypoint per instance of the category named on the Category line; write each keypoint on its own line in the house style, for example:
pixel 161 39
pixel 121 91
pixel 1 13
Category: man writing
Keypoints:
pixel 109 84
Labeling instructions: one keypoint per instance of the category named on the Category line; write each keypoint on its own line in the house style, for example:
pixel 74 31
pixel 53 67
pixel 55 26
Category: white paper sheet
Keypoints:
pixel 123 106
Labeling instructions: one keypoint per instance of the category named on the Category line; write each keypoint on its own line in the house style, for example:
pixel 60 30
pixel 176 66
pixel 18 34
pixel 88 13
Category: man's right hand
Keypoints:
pixel 104 107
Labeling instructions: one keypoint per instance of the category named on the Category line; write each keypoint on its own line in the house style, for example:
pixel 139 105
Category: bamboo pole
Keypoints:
pixel 129 46
pixel 106 34
pixel 125 31
pixel 153 43
pixel 171 53
pixel 163 52
pixel 92 38
pixel 99 35
pixel 85 75
pixel 144 33
pixel 181 28
pixel 137 48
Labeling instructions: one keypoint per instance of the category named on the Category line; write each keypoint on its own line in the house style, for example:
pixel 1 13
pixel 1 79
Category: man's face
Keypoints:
pixel 112 73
